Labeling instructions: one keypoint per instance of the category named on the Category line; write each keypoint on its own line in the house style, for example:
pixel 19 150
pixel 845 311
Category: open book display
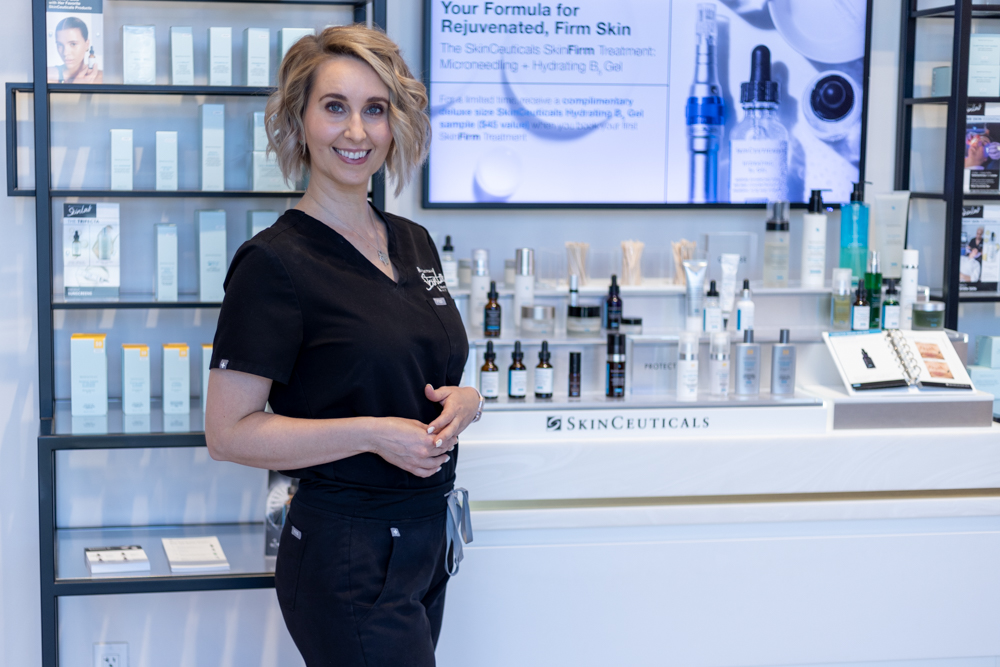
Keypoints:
pixel 922 360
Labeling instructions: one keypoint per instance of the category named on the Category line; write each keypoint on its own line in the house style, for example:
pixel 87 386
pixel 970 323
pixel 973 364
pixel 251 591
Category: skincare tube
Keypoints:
pixel 694 272
pixel 479 288
pixel 727 291
pixel 718 364
pixel 687 367
pixel 747 366
pixel 524 282
pixel 888 230
pixel 908 287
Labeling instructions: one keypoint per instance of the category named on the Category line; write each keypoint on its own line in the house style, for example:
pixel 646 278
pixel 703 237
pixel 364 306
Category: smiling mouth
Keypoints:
pixel 353 156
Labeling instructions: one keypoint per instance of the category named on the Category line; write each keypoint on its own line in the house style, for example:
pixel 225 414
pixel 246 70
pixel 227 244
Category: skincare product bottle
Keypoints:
pixel 449 265
pixel 687 367
pixel 574 290
pixel 509 273
pixel 614 382
pixel 776 241
pixel 695 271
pixel 841 300
pixel 91 59
pixel 727 293
pixel 747 366
pixel 718 364
pixel 575 364
pixel 814 242
pixel 712 313
pixel 489 374
pixel 479 286
pixel 783 366
pixel 524 282
pixel 517 374
pixel 491 313
pixel 613 307
pixel 758 145
pixel 888 231
pixel 744 309
pixel 544 373
pixel 861 310
pixel 464 273
pixel 873 288
pixel 705 111
pixel 908 287
pixel 76 243
pixel 891 310
pixel 854 233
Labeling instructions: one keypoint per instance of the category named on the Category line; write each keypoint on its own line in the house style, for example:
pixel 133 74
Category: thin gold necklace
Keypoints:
pixel 383 257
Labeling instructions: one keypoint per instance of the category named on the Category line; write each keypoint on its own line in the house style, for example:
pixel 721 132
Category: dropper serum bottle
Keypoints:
pixel 491 313
pixel 517 374
pixel 544 373
pixel 489 374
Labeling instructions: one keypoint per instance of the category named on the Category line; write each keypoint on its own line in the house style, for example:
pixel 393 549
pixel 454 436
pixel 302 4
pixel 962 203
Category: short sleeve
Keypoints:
pixel 260 325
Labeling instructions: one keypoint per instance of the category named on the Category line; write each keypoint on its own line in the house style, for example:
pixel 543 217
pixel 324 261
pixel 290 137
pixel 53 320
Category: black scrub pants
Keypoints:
pixel 362 591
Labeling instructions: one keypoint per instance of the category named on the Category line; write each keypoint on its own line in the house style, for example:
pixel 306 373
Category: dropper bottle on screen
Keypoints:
pixel 705 111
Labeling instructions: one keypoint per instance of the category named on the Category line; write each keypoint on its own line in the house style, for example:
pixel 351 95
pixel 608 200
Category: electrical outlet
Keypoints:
pixel 111 655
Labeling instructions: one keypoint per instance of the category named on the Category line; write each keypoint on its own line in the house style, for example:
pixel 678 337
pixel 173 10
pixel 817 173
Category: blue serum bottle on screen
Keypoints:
pixel 705 112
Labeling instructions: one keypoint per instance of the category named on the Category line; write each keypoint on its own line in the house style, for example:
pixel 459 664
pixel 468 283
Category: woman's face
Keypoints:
pixel 72 48
pixel 346 124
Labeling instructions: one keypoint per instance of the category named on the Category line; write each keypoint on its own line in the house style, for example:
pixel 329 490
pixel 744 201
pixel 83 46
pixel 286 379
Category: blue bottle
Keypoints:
pixel 854 234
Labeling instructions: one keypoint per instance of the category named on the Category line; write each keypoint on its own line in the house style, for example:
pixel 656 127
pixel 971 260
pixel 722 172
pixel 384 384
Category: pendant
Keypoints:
pixel 382 257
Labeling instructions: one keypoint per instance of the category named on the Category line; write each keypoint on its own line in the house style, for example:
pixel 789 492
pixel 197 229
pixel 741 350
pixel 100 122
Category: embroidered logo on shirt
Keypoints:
pixel 296 533
pixel 432 279
pixel 223 363
pixel 441 301
pixel 394 532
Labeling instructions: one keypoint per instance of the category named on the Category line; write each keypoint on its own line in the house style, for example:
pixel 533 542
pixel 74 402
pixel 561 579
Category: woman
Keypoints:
pixel 326 318
pixel 79 62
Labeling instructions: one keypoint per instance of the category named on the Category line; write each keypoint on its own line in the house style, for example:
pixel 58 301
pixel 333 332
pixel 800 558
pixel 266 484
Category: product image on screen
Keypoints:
pixel 646 102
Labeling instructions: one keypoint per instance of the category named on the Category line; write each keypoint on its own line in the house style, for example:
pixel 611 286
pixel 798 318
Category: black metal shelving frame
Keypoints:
pixel 961 12
pixel 50 442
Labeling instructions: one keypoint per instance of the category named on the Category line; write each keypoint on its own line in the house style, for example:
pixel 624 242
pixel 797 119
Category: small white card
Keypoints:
pixel 104 560
pixel 195 554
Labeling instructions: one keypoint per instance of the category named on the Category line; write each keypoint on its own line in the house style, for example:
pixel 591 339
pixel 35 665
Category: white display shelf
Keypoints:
pixel 764 335
pixel 598 401
pixel 648 288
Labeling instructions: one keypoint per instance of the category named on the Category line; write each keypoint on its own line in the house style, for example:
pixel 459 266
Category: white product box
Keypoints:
pixel 88 370
pixel 941 81
pixel 121 159
pixel 257 56
pixel 266 176
pixel 220 56
pixel 182 56
pixel 166 262
pixel 258 221
pixel 211 255
pixel 139 55
pixel 166 160
pixel 258 131
pixel 206 360
pixel 287 37
pixel 176 379
pixel 213 147
pixel 91 260
pixel 988 351
pixel 135 379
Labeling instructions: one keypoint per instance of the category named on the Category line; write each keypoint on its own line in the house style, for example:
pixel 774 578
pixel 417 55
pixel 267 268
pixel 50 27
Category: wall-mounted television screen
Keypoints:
pixel 644 102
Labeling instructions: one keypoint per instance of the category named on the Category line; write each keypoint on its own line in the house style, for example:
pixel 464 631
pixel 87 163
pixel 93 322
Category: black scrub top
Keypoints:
pixel 339 339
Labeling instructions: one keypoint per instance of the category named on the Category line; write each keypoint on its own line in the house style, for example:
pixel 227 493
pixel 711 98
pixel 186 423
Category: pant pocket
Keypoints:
pixel 372 554
pixel 286 573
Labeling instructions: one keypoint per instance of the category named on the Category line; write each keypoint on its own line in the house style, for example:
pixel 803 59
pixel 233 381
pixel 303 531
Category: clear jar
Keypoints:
pixel 538 320
pixel 928 315
pixel 631 326
pixel 583 321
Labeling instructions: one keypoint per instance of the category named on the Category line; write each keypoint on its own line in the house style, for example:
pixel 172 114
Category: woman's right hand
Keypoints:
pixel 405 444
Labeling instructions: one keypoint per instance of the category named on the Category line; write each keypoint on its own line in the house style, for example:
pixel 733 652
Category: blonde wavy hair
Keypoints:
pixel 408 120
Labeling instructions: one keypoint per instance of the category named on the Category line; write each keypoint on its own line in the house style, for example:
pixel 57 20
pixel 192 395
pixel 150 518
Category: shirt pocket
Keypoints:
pixel 291 549
pixel 446 311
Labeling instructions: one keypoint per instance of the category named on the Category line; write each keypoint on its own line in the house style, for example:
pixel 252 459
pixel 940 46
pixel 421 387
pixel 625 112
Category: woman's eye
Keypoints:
pixel 374 110
pixel 334 107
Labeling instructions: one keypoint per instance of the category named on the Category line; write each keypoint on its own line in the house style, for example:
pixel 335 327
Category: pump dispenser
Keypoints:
pixel 758 145
pixel 711 314
pixel 854 233
pixel 489 374
pixel 705 111
pixel 745 309
pixel 814 243
pixel 613 307
pixel 776 242
pixel 873 288
pixel 449 265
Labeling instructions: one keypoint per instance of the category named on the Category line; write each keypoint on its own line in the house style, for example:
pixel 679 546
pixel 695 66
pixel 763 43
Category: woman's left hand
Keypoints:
pixel 460 406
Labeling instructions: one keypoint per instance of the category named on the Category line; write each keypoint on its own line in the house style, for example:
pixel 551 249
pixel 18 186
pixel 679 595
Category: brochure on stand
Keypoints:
pixel 982 150
pixel 112 560
pixel 195 554
pixel 91 257
pixel 74 41
pixel 922 360
pixel 979 262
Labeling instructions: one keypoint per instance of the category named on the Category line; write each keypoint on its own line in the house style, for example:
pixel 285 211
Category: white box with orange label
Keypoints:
pixel 176 379
pixel 88 370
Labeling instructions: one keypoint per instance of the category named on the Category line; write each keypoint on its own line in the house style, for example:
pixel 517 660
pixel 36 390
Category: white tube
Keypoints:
pixel 524 282
pixel 887 233
pixel 813 250
pixel 727 290
pixel 479 288
pixel 908 287
pixel 695 271
pixel 687 367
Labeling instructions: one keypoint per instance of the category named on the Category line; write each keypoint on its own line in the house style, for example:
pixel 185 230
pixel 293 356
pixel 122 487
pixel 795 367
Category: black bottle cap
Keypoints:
pixel 816 204
pixel 759 88
pixel 575 362
pixel 544 354
pixel 614 289
pixel 633 321
pixel 861 290
pixel 859 192
pixel 493 294
pixel 711 289
pixel 447 247
pixel 785 338
pixel 616 343
pixel 832 98
pixel 890 286
pixel 517 354
pixel 490 355
pixel 746 283
pixel 748 335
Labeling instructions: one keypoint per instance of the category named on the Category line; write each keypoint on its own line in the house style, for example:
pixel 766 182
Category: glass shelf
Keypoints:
pixel 190 194
pixel 597 400
pixel 60 302
pixel 118 430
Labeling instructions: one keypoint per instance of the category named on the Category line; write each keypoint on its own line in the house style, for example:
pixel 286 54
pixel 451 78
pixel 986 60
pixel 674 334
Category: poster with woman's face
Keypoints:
pixel 979 262
pixel 75 41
